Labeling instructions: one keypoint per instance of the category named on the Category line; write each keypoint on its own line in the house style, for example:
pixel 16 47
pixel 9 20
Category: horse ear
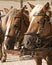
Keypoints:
pixel 6 10
pixel 32 6
pixel 23 8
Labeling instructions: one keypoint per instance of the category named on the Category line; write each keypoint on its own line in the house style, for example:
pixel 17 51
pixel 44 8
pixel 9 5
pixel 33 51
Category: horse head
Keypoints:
pixel 39 26
pixel 17 25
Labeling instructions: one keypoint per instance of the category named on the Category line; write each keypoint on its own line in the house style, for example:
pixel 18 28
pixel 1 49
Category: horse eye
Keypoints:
pixel 38 22
pixel 15 26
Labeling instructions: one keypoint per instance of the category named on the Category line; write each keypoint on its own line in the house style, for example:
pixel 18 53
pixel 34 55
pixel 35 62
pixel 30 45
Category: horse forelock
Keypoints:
pixel 36 10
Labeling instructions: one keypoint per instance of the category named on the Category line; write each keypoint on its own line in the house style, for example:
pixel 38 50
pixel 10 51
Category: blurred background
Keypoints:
pixel 20 3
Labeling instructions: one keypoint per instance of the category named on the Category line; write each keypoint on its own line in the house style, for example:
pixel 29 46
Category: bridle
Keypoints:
pixel 39 40
pixel 18 27
pixel 22 20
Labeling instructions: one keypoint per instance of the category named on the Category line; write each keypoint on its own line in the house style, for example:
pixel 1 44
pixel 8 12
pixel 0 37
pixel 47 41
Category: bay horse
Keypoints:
pixel 17 25
pixel 39 34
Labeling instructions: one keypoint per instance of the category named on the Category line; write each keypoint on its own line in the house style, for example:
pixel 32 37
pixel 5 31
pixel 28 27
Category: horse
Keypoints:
pixel 17 24
pixel 39 34
pixel 3 22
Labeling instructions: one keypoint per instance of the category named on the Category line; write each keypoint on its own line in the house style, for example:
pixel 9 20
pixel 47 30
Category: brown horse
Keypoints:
pixel 17 25
pixel 3 23
pixel 39 33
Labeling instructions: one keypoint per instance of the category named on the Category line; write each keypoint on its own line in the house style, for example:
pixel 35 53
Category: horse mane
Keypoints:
pixel 5 19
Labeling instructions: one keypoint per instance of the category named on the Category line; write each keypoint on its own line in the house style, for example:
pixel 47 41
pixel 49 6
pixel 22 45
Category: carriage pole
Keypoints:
pixel 21 3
